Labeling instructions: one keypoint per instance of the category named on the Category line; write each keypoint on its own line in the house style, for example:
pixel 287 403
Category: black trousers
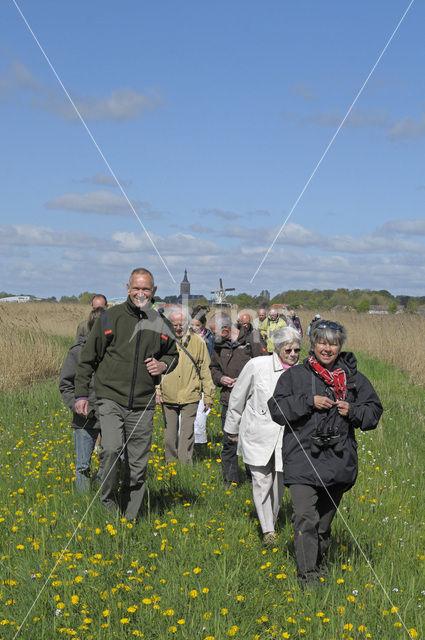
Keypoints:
pixel 313 509
pixel 229 458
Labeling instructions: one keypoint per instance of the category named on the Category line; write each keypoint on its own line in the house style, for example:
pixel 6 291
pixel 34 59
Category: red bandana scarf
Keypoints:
pixel 336 378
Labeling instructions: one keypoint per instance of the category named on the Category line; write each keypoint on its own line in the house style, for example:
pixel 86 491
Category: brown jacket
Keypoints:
pixel 228 359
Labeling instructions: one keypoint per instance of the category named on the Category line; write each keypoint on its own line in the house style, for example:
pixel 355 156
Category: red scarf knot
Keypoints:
pixel 336 378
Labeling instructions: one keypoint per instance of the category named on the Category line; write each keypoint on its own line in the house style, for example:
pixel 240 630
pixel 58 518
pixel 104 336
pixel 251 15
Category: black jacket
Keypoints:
pixel 67 387
pixel 229 358
pixel 292 405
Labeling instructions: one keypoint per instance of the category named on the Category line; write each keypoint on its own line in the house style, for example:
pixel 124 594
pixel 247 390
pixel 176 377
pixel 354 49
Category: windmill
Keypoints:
pixel 220 295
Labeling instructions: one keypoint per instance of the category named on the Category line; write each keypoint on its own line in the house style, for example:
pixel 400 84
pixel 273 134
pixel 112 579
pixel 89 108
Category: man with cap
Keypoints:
pixel 316 319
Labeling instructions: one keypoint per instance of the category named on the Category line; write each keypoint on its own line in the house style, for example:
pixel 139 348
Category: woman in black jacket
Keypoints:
pixel 321 403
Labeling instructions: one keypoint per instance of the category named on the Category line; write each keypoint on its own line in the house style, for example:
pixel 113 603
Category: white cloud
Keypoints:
pixel 407 128
pixel 356 120
pixel 106 180
pixel 99 202
pixel 200 228
pixel 404 227
pixel 219 213
pixel 292 234
pixel 121 104
pixel 178 243
pixel 29 235
pixel 304 91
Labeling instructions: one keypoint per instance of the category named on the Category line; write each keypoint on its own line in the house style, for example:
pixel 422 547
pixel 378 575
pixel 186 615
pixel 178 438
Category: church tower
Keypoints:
pixel 185 286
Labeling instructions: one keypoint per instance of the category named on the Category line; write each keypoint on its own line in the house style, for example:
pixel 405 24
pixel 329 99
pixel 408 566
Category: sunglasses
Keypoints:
pixel 288 351
pixel 327 324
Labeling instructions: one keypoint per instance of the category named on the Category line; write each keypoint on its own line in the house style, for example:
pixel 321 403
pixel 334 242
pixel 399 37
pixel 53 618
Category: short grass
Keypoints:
pixel 194 566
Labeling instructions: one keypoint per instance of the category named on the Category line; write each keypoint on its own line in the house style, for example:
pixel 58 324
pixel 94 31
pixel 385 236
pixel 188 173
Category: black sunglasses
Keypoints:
pixel 327 324
pixel 287 351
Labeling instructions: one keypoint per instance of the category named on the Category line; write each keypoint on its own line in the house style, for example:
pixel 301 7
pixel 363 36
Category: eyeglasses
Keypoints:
pixel 327 324
pixel 288 351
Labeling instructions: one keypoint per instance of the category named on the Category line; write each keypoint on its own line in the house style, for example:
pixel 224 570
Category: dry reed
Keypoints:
pixel 33 340
pixel 31 349
pixel 396 339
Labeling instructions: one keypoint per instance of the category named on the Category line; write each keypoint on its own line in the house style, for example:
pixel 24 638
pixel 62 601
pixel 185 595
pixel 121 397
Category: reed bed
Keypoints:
pixel 34 338
pixel 395 339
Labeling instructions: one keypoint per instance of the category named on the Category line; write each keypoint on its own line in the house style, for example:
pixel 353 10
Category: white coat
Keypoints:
pixel 248 414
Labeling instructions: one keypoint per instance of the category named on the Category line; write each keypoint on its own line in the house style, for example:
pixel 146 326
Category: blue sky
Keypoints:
pixel 213 117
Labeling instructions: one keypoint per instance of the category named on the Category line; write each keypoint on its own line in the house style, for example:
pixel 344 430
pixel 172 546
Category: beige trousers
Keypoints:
pixel 179 444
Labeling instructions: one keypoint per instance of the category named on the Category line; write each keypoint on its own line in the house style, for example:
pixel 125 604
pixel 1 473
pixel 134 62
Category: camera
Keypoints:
pixel 326 436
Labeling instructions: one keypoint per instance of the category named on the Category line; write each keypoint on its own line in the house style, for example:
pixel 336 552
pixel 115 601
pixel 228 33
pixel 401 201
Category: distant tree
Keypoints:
pixel 412 306
pixel 3 294
pixel 363 306
pixel 202 302
pixel 392 307
pixel 68 299
pixel 86 297
pixel 50 299
pixel 265 295
pixel 170 299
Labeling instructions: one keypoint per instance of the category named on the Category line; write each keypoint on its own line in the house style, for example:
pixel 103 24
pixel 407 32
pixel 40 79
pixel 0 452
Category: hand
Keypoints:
pixel 155 367
pixel 207 406
pixel 226 381
pixel 158 399
pixel 322 402
pixel 82 406
pixel 233 438
pixel 343 407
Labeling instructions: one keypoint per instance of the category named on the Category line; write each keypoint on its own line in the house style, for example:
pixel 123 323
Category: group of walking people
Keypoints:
pixel 292 424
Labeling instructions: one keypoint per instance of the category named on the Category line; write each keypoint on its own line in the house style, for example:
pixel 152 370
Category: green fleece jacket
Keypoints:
pixel 116 351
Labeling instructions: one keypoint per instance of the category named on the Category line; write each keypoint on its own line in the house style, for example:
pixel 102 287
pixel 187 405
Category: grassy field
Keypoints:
pixel 194 566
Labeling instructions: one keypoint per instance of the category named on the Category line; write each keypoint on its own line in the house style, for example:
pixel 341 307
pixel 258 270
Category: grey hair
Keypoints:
pixel 178 309
pixel 285 335
pixel 221 319
pixel 328 334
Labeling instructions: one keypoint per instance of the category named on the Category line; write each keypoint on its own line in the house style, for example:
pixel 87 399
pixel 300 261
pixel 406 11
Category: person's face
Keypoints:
pixel 220 331
pixel 98 301
pixel 180 323
pixel 292 314
pixel 196 325
pixel 262 315
pixel 290 353
pixel 326 352
pixel 141 289
pixel 273 314
pixel 245 320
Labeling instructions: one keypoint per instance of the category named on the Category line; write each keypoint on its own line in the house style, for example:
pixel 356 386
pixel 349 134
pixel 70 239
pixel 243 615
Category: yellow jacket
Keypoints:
pixel 183 385
pixel 267 329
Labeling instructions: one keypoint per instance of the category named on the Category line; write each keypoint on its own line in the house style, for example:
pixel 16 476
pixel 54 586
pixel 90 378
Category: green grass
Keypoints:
pixel 194 566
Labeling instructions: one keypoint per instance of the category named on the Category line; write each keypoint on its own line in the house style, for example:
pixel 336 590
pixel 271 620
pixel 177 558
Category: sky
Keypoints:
pixel 201 126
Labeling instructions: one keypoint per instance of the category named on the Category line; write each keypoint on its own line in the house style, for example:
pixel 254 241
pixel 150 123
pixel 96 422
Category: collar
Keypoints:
pixel 277 364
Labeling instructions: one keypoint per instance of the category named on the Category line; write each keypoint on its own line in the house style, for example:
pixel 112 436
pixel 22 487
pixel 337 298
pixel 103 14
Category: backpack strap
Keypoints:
pixel 107 331
pixel 190 357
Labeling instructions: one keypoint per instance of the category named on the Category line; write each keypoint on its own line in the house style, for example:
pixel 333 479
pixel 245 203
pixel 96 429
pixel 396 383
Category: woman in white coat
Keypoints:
pixel 248 422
